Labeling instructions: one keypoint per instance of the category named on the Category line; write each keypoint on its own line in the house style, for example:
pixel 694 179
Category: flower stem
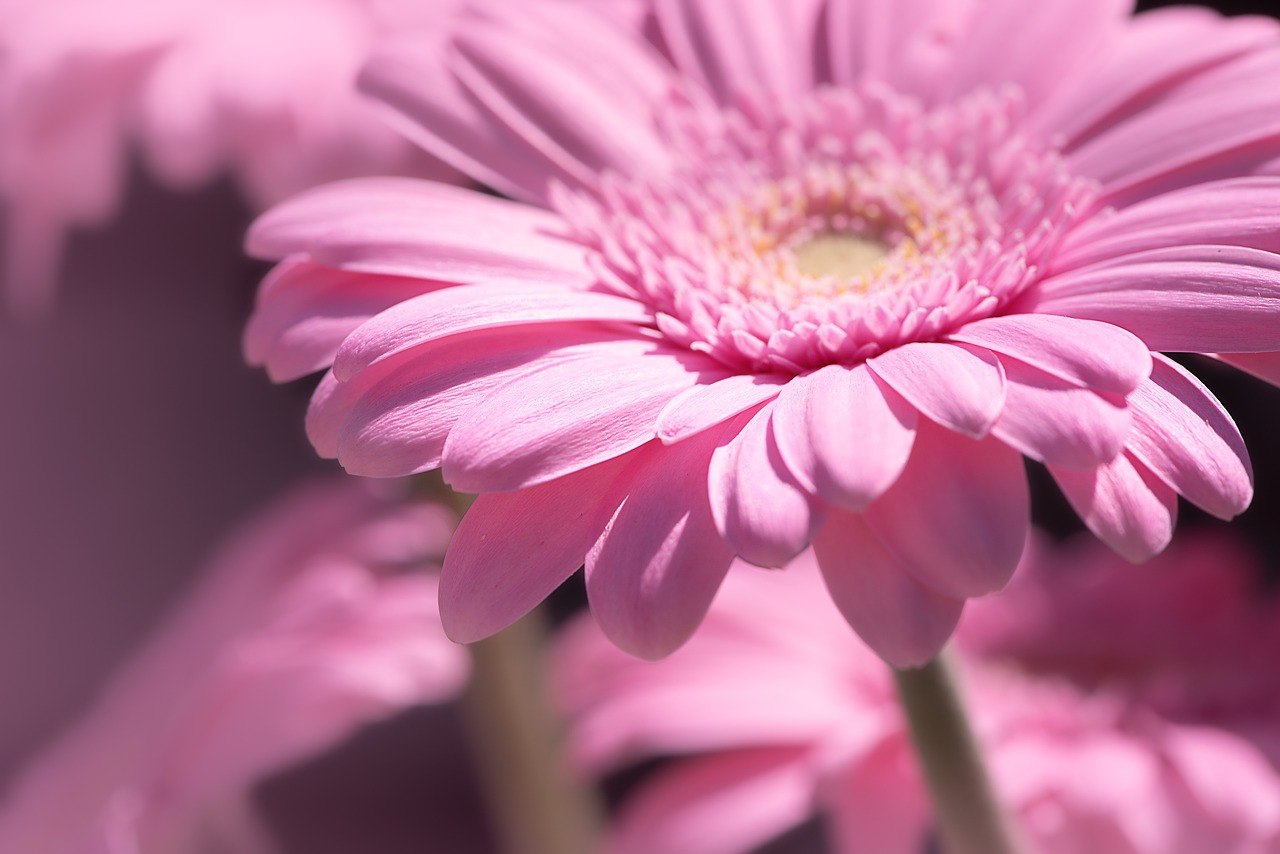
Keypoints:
pixel 970 819
pixel 534 803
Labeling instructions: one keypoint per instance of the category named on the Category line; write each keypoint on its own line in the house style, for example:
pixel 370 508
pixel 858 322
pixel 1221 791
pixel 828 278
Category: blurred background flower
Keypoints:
pixel 1114 702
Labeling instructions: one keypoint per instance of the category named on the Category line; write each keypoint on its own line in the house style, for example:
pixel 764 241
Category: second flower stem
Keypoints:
pixel 970 819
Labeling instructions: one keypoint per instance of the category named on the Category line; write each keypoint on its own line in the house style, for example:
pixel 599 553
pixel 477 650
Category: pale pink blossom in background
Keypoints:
pixel 261 91
pixel 780 274
pixel 317 619
pixel 1123 710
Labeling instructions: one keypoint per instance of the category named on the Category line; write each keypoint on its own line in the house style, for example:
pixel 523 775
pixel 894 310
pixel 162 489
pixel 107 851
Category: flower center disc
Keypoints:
pixel 839 255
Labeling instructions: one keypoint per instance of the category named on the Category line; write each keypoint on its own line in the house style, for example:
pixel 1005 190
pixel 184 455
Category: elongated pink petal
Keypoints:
pixel 721 804
pixel 904 621
pixel 425 392
pixel 880 804
pixel 400 226
pixel 1095 355
pixel 1160 50
pixel 1194 299
pixel 1182 142
pixel 745 48
pixel 758 508
pixel 957 516
pixel 843 434
pixel 305 310
pixel 1124 504
pixel 580 121
pixel 1264 366
pixel 907 44
pixel 513 548
pixel 1055 41
pixel 1233 212
pixel 440 314
pixel 567 416
pixel 396 422
pixel 410 79
pixel 653 572
pixel 957 385
pixel 1184 436
pixel 705 406
pixel 1050 420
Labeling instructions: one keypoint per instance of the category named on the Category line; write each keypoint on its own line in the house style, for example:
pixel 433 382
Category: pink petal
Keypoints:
pixel 880 804
pixel 1160 50
pixel 957 517
pixel 1188 299
pixel 568 416
pixel 746 48
pixel 1096 355
pixel 720 804
pixel 579 119
pixel 1184 436
pixel 843 434
pixel 905 622
pixel 705 406
pixel 452 311
pixel 409 78
pixel 1202 757
pixel 513 548
pixel 959 386
pixel 908 44
pixel 1050 420
pixel 1182 142
pixel 762 514
pixel 653 572
pixel 305 310
pixel 1054 43
pixel 407 227
pixel 393 419
pixel 1123 503
pixel 1264 366
pixel 1234 212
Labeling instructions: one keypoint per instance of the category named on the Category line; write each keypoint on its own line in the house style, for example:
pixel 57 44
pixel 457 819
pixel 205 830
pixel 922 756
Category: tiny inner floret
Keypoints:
pixel 828 231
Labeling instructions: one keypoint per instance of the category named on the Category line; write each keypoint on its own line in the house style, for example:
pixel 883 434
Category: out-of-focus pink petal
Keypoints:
pixel 957 385
pixel 1123 503
pixel 1265 366
pixel 760 511
pixel 908 44
pixel 879 803
pixel 761 47
pixel 904 621
pixel 513 548
pixel 716 805
pixel 567 416
pixel 844 434
pixel 957 516
pixel 653 572
pixel 1184 436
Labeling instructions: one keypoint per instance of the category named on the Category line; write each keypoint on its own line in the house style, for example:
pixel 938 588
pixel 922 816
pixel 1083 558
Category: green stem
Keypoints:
pixel 970 819
pixel 534 803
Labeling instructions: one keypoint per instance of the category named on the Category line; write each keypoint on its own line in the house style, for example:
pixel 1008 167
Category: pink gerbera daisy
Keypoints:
pixel 789 273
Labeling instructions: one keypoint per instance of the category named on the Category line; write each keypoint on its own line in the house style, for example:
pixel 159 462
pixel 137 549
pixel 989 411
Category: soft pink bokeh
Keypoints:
pixel 87 87
pixel 1122 710
pixel 317 619
pixel 631 355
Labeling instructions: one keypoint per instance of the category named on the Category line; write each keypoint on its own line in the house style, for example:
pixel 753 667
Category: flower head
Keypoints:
pixel 788 274
pixel 312 622
pixel 1108 727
